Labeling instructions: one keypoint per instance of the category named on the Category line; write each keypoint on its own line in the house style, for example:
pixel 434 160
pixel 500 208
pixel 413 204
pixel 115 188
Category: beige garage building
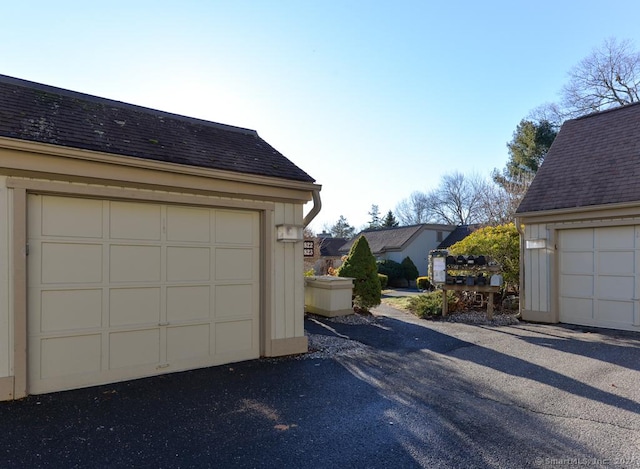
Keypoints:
pixel 581 216
pixel 137 242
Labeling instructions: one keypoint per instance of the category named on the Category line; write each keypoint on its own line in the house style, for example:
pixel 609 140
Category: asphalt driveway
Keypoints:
pixel 421 394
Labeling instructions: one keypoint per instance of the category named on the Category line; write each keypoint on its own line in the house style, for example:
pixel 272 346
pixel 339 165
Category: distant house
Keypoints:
pixel 581 241
pixel 326 254
pixel 458 234
pixel 413 241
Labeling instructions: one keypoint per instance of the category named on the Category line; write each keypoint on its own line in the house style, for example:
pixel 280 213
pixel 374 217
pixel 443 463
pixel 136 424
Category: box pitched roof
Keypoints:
pixel 594 160
pixel 45 114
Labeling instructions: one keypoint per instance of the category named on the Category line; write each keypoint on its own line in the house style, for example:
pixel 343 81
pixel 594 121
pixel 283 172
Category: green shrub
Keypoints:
pixel 430 304
pixel 501 243
pixel 409 269
pixel 392 269
pixel 423 283
pixel 361 266
pixel 384 280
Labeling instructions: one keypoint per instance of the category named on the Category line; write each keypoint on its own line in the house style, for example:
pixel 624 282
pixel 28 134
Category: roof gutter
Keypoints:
pixel 317 205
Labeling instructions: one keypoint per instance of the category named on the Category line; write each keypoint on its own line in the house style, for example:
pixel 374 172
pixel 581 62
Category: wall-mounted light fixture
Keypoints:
pixel 540 243
pixel 289 233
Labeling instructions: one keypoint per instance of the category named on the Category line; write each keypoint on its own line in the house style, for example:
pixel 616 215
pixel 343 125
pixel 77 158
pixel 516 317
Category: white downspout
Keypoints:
pixel 317 205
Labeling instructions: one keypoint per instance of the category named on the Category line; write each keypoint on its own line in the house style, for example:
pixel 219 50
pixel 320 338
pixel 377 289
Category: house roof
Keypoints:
pixel 45 114
pixel 330 247
pixel 390 239
pixel 594 160
pixel 456 235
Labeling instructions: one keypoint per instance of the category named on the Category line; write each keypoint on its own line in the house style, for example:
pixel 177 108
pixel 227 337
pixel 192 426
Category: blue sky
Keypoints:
pixel 374 99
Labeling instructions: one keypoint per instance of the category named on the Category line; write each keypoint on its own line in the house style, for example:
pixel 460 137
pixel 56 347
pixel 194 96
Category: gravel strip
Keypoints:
pixel 480 317
pixel 324 346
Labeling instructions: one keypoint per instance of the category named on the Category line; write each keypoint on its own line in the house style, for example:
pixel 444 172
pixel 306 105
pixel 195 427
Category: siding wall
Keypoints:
pixel 6 328
pixel 288 278
pixel 537 275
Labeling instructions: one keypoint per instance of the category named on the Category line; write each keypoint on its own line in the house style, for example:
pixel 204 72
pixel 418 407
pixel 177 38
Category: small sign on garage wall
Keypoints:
pixel 308 248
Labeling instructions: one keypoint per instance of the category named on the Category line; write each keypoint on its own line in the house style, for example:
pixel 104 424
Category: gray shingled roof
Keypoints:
pixel 461 232
pixel 330 247
pixel 386 239
pixel 594 160
pixel 45 114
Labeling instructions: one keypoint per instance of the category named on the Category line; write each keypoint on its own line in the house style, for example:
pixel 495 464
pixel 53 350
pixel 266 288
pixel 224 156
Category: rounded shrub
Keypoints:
pixel 409 269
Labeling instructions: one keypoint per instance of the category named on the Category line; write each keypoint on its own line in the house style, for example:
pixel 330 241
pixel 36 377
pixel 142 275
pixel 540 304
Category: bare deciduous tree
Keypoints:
pixel 458 200
pixel 414 209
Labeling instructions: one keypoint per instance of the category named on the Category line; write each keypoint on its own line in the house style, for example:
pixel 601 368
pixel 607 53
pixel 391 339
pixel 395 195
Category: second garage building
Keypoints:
pixel 581 241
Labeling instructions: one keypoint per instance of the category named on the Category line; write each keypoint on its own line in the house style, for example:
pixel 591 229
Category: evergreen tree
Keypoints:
pixel 360 265
pixel 389 221
pixel 409 269
pixel 342 229
pixel 375 223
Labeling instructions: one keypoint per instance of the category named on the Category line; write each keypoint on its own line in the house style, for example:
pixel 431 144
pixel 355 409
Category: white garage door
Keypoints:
pixel 122 290
pixel 600 277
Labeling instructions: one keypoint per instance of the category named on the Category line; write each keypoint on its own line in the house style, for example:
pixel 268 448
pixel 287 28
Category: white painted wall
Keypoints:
pixel 418 250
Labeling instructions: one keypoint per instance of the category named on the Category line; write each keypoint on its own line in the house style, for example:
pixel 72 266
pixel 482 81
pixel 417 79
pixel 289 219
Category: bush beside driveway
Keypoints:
pixel 421 394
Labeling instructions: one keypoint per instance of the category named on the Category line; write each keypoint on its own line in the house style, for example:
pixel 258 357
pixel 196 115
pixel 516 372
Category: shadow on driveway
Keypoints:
pixel 418 398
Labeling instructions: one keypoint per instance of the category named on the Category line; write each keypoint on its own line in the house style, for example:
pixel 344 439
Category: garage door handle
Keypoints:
pixel 163 324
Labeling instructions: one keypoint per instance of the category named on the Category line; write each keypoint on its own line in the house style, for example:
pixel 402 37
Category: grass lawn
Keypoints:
pixel 398 302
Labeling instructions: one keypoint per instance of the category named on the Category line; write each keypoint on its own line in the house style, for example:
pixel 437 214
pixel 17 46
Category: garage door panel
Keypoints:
pixel 577 308
pixel 129 263
pixel 235 227
pixel 67 356
pixel 614 312
pixel 192 303
pixel 234 302
pixel 616 262
pixel 70 309
pixel 135 221
pixel 615 286
pixel 577 262
pixel 582 239
pixel 188 264
pixel 188 342
pixel 234 264
pixel 71 217
pixel 234 336
pixel 134 348
pixel 615 237
pixel 187 224
pixel 71 263
pixel 134 306
pixel 577 285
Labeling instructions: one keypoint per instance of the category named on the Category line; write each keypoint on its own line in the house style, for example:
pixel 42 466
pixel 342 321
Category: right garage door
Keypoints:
pixel 599 277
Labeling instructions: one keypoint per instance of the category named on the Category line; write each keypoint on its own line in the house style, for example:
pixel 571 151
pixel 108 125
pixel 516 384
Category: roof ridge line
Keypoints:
pixel 101 100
